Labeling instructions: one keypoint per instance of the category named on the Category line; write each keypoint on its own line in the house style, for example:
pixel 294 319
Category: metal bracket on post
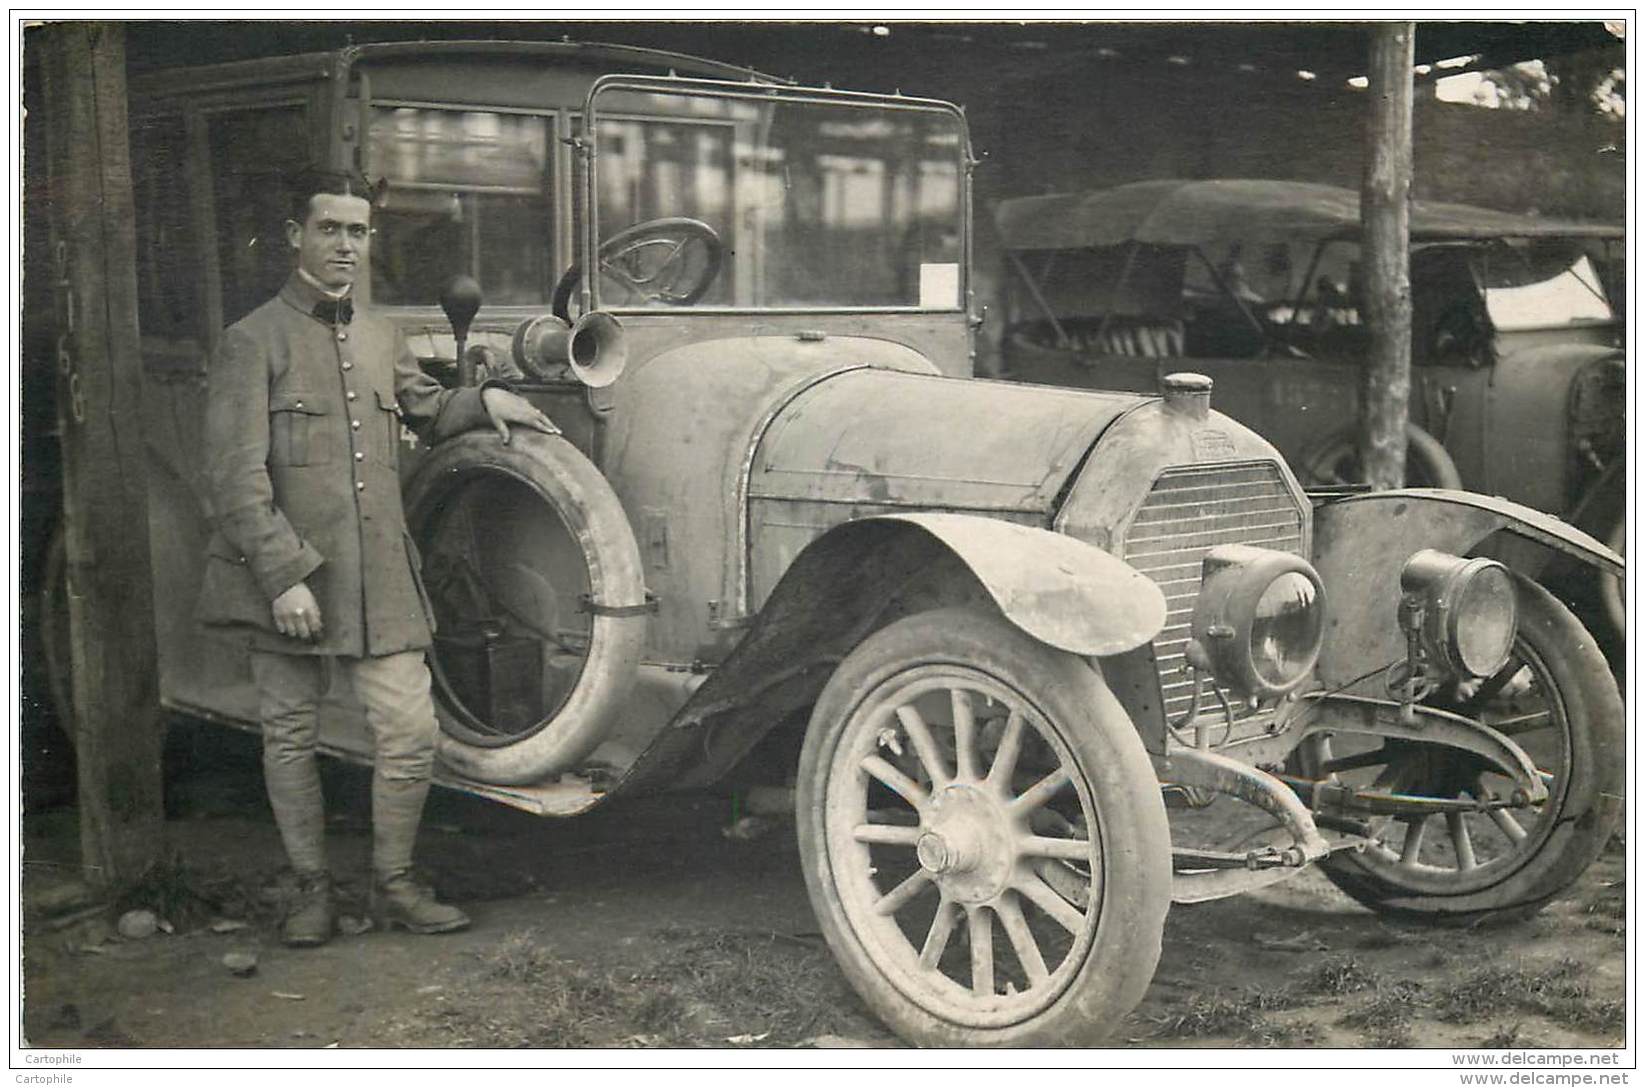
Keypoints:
pixel 587 604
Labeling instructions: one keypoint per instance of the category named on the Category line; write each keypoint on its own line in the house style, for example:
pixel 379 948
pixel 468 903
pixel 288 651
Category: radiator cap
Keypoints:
pixel 1187 393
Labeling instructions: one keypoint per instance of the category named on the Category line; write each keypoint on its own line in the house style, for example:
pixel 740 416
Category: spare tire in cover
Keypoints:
pixel 534 579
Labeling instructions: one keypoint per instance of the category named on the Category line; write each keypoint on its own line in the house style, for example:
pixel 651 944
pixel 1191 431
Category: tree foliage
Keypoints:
pixel 1591 82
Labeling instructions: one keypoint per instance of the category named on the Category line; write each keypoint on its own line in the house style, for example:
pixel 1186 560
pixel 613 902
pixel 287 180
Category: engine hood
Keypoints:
pixel 896 439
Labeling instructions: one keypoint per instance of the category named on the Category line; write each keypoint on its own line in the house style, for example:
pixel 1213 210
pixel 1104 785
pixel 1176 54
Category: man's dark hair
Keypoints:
pixel 312 181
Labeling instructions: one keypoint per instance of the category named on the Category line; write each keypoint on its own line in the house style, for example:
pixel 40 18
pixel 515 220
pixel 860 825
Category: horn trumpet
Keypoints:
pixel 594 348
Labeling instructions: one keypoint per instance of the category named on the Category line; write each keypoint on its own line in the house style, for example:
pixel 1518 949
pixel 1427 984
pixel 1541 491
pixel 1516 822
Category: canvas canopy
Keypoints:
pixel 1186 213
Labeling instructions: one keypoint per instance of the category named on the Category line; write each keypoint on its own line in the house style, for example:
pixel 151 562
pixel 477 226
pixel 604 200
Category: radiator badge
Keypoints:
pixel 1211 444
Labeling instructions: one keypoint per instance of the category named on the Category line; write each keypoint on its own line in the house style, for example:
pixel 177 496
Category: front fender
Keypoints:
pixel 1062 591
pixel 863 574
pixel 1361 543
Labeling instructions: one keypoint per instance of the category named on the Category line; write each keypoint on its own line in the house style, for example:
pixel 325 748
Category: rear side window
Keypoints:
pixel 253 152
pixel 168 268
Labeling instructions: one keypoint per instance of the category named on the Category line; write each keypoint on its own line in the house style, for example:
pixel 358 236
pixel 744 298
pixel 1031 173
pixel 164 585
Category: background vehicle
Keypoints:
pixel 982 628
pixel 1518 380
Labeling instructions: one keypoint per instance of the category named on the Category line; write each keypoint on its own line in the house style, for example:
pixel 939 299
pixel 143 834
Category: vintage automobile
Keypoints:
pixel 983 630
pixel 1518 382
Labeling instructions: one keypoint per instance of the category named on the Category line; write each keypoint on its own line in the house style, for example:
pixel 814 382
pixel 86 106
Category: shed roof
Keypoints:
pixel 822 49
pixel 1197 212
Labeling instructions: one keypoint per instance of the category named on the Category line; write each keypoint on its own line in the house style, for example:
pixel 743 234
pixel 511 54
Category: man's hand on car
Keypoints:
pixel 505 408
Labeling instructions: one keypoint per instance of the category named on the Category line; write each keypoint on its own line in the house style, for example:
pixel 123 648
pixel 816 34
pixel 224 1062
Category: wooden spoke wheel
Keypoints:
pixel 983 836
pixel 1555 698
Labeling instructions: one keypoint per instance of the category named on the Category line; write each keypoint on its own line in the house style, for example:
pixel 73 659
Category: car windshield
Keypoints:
pixel 1530 287
pixel 757 201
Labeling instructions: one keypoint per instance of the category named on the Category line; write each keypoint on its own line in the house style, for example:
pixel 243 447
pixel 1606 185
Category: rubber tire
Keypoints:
pixel 1593 799
pixel 1073 697
pixel 1427 464
pixel 576 491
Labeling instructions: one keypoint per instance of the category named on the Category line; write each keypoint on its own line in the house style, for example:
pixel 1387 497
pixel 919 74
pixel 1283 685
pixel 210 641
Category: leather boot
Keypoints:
pixel 311 918
pixel 396 899
pixel 399 901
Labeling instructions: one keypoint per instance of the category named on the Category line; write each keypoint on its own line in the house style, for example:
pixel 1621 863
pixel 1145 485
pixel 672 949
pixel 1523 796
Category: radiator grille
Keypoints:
pixel 1189 512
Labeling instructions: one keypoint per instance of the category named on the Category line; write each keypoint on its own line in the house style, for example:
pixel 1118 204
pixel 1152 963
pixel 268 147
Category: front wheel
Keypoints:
pixel 983 837
pixel 1556 699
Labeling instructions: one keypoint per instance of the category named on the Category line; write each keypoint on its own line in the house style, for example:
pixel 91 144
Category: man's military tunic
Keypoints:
pixel 302 437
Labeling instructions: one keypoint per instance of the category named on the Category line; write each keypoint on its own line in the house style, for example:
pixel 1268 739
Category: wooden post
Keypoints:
pixel 118 728
pixel 1385 216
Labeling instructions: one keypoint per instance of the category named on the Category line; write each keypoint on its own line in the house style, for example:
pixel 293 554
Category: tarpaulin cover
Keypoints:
pixel 1226 210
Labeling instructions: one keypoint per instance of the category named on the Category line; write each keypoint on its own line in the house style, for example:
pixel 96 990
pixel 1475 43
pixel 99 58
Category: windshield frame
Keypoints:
pixel 586 158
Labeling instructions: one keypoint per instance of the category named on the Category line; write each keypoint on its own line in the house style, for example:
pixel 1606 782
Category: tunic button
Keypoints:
pixel 342 335
pixel 360 485
pixel 351 394
pixel 359 456
pixel 354 423
pixel 347 365
pixel 299 404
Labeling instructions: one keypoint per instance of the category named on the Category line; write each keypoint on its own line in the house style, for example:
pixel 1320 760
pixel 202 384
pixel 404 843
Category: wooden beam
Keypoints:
pixel 1385 215
pixel 118 727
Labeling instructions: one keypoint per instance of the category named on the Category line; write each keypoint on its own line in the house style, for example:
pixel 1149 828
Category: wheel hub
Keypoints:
pixel 967 845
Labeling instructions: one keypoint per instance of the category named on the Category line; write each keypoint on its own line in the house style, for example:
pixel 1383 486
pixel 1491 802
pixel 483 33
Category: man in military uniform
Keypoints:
pixel 311 561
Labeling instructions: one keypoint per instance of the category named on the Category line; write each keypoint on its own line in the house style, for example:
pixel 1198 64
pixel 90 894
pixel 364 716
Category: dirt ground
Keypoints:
pixel 646 925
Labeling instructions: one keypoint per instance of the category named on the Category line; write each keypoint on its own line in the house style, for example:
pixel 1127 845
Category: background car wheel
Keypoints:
pixel 1337 462
pixel 1556 699
pixel 983 837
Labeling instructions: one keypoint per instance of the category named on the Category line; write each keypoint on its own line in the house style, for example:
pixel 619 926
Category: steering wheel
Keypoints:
pixel 673 261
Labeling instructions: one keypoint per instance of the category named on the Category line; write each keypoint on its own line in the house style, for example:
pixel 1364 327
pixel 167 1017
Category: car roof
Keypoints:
pixel 683 63
pixel 308 66
pixel 1198 212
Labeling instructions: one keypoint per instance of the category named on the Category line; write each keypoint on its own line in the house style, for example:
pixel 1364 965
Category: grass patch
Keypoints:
pixel 1241 1016
pixel 1339 976
pixel 706 989
pixel 1386 1017
pixel 519 957
pixel 1560 992
pixel 757 983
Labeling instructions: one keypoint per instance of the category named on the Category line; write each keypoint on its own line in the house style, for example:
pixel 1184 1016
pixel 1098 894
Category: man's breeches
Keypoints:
pixel 395 690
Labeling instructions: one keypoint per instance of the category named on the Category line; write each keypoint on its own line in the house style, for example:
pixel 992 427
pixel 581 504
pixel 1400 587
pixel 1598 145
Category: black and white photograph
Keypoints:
pixel 766 540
